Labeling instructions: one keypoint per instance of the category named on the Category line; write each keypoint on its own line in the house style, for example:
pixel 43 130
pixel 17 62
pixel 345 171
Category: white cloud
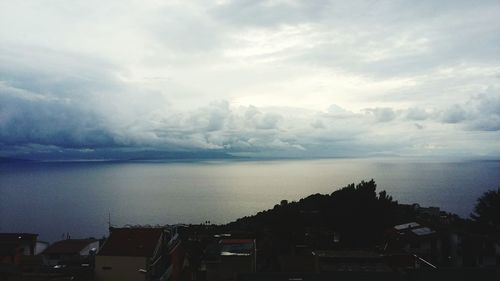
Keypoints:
pixel 314 78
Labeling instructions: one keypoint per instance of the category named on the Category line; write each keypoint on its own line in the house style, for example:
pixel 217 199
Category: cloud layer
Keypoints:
pixel 250 78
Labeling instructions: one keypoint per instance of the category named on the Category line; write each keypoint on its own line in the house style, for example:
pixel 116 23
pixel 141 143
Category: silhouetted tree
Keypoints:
pixel 356 212
pixel 487 210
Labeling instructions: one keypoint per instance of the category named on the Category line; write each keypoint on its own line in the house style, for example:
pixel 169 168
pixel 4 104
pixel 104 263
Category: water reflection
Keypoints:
pixel 55 198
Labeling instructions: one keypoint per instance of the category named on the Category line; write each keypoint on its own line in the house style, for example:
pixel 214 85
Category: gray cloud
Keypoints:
pixel 269 13
pixel 486 111
pixel 481 112
pixel 259 78
pixel 384 39
pixel 454 114
pixel 218 127
pixel 415 113
pixel 39 120
pixel 384 114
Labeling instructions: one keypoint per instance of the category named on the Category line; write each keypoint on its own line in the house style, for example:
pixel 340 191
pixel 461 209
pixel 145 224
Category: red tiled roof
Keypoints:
pixel 131 242
pixel 68 246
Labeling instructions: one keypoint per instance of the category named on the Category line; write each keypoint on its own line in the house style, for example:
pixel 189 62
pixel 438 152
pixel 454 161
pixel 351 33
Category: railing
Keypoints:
pixel 424 261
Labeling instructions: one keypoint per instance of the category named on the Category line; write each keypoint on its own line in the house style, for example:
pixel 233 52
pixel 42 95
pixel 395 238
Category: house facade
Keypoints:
pixel 231 257
pixel 13 246
pixel 137 254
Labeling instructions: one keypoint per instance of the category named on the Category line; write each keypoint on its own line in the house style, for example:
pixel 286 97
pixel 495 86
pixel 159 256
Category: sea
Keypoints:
pixel 81 199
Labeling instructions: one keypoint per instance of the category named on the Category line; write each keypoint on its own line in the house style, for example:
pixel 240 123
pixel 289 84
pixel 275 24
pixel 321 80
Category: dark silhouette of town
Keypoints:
pixel 353 233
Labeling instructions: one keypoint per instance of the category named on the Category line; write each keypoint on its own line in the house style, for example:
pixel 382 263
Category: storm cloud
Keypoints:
pixel 250 78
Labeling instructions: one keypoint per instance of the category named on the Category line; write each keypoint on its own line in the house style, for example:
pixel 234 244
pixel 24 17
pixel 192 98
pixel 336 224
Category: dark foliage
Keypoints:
pixel 487 211
pixel 356 213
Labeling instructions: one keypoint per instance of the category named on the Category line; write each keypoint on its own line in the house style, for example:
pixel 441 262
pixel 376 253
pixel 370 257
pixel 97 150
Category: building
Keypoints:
pixel 17 253
pixel 15 245
pixel 441 248
pixel 40 247
pixel 230 257
pixel 421 242
pixel 428 211
pixel 71 252
pixel 138 254
pixel 475 250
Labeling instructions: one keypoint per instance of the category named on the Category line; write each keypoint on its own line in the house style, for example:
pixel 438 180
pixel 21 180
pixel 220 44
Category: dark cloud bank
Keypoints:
pixel 66 102
pixel 77 117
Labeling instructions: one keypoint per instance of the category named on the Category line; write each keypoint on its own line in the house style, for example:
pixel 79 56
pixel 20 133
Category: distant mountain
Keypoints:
pixel 12 160
pixel 119 155
pixel 179 155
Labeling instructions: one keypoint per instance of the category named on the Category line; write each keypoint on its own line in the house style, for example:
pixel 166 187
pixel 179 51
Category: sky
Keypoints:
pixel 112 79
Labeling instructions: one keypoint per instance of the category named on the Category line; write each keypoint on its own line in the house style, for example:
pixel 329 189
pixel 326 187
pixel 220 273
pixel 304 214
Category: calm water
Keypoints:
pixel 56 198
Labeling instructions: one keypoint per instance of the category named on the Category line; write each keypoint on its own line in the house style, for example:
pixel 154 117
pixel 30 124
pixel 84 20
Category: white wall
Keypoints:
pixel 40 247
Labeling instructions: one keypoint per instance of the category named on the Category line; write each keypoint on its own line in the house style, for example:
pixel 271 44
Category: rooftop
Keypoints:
pixel 237 247
pixel 68 246
pixel 421 231
pixel 406 226
pixel 132 242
